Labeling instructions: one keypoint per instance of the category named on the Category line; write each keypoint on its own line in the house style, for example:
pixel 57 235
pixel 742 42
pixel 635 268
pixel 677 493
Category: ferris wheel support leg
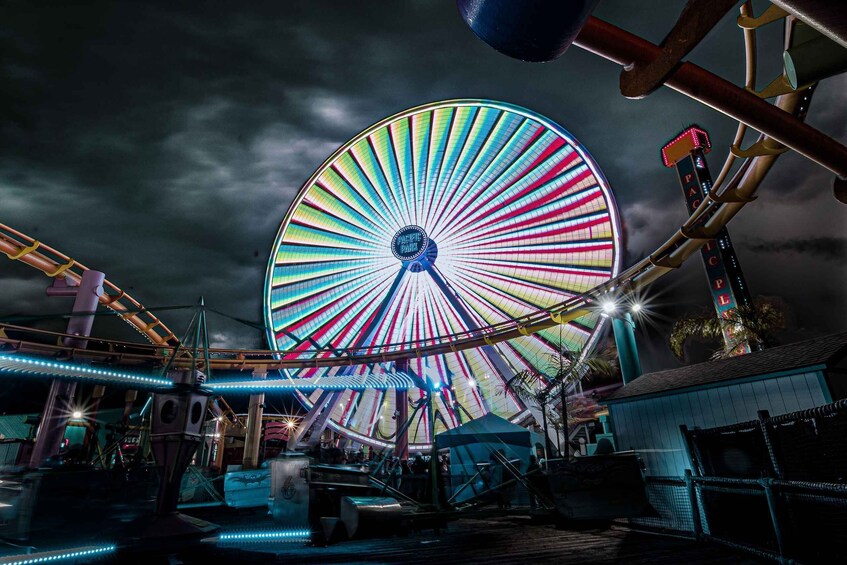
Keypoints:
pixel 323 408
pixel 58 408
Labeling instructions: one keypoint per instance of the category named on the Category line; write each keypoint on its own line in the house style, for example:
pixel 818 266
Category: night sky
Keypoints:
pixel 163 144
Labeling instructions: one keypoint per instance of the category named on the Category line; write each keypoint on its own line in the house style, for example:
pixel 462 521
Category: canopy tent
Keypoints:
pixel 471 445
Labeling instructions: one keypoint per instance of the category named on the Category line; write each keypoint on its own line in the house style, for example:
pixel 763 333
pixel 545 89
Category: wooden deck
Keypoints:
pixel 492 540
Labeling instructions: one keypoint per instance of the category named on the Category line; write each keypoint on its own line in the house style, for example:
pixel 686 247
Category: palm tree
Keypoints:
pixel 753 325
pixel 563 369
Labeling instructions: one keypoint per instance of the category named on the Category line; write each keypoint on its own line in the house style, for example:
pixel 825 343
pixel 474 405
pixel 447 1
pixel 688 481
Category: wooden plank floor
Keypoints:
pixel 491 541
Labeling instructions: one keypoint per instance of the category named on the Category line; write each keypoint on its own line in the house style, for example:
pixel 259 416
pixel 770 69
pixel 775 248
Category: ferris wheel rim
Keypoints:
pixel 577 194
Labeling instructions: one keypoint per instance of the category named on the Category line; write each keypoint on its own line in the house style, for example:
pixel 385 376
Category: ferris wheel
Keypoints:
pixel 443 219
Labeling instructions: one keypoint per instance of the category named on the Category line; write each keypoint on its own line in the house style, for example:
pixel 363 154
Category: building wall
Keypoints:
pixel 650 425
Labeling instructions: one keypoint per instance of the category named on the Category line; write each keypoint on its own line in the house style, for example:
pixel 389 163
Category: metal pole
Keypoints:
pixel 625 49
pixel 546 431
pixel 763 416
pixel 254 428
pixel 565 430
pixel 695 507
pixel 58 408
pixel 401 439
pixel 433 457
pixel 767 484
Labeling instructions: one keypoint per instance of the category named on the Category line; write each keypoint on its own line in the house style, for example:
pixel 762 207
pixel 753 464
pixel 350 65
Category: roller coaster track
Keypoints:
pixel 55 264
pixel 717 209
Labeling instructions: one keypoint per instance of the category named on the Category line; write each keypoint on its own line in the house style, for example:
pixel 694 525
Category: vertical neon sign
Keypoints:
pixel 686 152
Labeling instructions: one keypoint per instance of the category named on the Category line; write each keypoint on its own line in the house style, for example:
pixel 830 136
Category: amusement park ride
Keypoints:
pixel 435 254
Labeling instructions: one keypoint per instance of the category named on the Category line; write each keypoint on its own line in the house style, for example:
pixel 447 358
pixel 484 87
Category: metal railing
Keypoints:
pixel 774 487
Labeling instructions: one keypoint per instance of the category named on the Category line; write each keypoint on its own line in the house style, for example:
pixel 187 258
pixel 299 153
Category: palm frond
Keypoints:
pixel 754 325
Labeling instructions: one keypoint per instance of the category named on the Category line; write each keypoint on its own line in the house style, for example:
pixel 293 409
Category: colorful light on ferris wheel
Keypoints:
pixel 440 220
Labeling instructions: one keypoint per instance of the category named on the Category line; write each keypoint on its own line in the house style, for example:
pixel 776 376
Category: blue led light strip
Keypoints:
pixel 354 382
pixel 278 535
pixel 60 555
pixel 52 369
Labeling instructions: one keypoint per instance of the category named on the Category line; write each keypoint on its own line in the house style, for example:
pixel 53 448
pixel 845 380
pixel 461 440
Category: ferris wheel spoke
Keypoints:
pixel 505 134
pixel 477 155
pixel 502 176
pixel 458 138
pixel 528 214
pixel 536 248
pixel 302 232
pixel 294 253
pixel 419 134
pixel 440 124
pixel 400 145
pixel 593 224
pixel 328 287
pixel 538 189
pixel 554 205
pixel 323 202
pixel 521 178
pixel 331 303
pixel 362 197
pixel 557 278
pixel 385 171
pixel 508 301
pixel 521 288
pixel 351 168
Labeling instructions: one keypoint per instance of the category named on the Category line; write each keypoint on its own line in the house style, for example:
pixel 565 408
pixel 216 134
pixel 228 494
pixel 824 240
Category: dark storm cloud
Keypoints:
pixel 829 248
pixel 163 143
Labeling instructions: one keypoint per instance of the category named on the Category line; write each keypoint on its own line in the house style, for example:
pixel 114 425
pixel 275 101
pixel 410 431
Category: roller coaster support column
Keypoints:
pixel 624 329
pixel 58 408
pixel 254 428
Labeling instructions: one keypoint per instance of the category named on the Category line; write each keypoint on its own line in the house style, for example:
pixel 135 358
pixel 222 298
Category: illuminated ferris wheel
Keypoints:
pixel 443 219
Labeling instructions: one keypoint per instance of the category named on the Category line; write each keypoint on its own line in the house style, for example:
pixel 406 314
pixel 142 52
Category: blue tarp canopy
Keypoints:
pixel 490 429
pixel 471 445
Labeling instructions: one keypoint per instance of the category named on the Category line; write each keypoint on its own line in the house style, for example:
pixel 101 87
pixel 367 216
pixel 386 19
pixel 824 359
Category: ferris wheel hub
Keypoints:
pixel 414 248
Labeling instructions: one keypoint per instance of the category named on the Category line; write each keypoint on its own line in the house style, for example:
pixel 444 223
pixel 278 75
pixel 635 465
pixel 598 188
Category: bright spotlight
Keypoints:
pixel 77 415
pixel 289 424
pixel 472 383
pixel 436 385
pixel 636 308
pixel 609 306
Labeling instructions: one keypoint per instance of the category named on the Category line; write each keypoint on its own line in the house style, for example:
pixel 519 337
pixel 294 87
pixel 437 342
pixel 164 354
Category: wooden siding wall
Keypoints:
pixel 650 426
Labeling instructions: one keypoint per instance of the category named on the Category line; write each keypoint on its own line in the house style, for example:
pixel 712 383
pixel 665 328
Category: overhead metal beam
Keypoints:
pixel 628 50
pixel 696 21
